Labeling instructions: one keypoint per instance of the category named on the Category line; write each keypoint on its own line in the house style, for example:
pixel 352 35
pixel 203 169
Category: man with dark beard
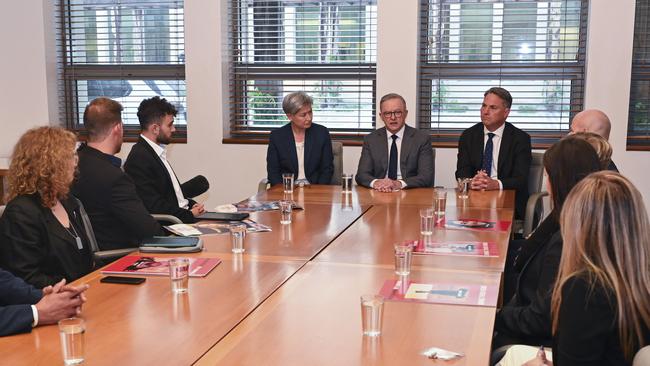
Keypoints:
pixel 147 164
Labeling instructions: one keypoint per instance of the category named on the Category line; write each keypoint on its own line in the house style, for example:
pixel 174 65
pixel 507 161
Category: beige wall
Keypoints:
pixel 234 170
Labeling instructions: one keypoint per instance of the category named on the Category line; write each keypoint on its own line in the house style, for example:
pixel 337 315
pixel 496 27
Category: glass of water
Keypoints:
pixel 463 187
pixel 440 202
pixel 285 211
pixel 72 332
pixel 287 182
pixel 346 183
pixel 426 221
pixel 237 235
pixel 372 312
pixel 179 269
pixel 403 255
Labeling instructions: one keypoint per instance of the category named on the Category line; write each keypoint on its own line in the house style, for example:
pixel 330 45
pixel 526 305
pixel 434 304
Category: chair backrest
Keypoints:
pixel 337 152
pixel 90 234
pixel 536 174
pixel 642 358
pixel 433 152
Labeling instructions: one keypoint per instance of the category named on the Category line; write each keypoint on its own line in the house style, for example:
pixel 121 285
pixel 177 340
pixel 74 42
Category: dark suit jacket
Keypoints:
pixel 37 248
pixel 514 160
pixel 118 216
pixel 15 299
pixel 281 156
pixel 526 318
pixel 588 332
pixel 416 158
pixel 153 183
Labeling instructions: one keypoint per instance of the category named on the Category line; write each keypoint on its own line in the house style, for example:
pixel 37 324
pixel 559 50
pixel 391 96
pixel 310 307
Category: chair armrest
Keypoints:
pixel 162 218
pixel 105 257
pixel 534 200
pixel 263 185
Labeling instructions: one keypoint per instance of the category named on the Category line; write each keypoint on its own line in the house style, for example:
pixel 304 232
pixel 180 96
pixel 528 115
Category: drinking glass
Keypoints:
pixel 372 312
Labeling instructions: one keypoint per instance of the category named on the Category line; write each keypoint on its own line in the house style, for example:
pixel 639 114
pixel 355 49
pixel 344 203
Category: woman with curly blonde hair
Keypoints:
pixel 42 236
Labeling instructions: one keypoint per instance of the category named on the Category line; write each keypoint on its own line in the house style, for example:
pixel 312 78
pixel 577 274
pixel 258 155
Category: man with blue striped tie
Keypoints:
pixel 494 153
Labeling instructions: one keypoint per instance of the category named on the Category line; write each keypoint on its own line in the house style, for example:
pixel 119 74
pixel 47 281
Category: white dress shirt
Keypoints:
pixel 161 151
pixel 398 142
pixel 496 145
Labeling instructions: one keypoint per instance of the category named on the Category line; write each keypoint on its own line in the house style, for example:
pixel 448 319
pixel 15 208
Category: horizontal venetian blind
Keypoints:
pixel 638 130
pixel 535 49
pixel 325 48
pixel 127 50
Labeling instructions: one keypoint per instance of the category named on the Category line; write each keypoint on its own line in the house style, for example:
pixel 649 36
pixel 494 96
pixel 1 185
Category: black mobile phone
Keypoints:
pixel 123 280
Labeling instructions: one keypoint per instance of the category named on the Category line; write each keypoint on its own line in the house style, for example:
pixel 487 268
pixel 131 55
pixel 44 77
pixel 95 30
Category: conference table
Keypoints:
pixel 293 296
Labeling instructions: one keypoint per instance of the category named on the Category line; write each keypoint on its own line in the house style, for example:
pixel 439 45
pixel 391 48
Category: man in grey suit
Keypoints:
pixel 396 156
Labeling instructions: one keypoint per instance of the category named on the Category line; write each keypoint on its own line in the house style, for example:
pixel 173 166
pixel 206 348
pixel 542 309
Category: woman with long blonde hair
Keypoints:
pixel 600 307
pixel 42 236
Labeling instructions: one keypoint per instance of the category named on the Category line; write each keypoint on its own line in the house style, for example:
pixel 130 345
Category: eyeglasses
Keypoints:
pixel 395 114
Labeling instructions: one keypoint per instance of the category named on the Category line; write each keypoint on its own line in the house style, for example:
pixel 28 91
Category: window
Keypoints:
pixel 638 128
pixel 127 50
pixel 325 48
pixel 535 49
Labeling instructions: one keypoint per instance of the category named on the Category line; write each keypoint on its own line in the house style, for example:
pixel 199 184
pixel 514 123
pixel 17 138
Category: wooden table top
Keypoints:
pixel 361 195
pixel 148 325
pixel 370 240
pixel 311 230
pixel 315 319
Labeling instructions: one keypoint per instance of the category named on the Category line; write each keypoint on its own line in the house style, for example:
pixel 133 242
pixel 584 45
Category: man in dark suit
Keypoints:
pixel 494 153
pixel 155 181
pixel 23 307
pixel 395 156
pixel 117 214
pixel 595 121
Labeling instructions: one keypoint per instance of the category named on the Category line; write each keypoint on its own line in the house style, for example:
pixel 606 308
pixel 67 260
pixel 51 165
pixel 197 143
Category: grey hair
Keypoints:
pixel 392 96
pixel 294 101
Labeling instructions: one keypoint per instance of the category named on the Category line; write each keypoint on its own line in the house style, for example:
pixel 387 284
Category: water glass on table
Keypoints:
pixel 346 183
pixel 72 332
pixel 237 235
pixel 179 270
pixel 285 211
pixel 440 203
pixel 463 187
pixel 403 255
pixel 372 312
pixel 287 182
pixel 426 221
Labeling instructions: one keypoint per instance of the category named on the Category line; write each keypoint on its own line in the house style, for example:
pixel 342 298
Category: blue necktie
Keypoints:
pixel 392 160
pixel 487 155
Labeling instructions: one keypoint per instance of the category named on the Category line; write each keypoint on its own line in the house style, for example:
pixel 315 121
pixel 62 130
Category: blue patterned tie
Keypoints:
pixel 392 159
pixel 487 155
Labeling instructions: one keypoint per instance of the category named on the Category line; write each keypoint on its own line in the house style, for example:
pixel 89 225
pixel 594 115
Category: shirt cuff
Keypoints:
pixel 500 185
pixel 372 183
pixel 403 183
pixel 35 314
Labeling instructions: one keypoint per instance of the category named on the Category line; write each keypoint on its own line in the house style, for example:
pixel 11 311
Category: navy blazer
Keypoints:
pixel 154 184
pixel 16 296
pixel 37 248
pixel 281 156
pixel 514 160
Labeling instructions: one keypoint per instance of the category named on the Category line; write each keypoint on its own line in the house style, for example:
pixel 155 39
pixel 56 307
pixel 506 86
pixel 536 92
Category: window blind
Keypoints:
pixel 325 48
pixel 127 50
pixel 638 130
pixel 535 49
